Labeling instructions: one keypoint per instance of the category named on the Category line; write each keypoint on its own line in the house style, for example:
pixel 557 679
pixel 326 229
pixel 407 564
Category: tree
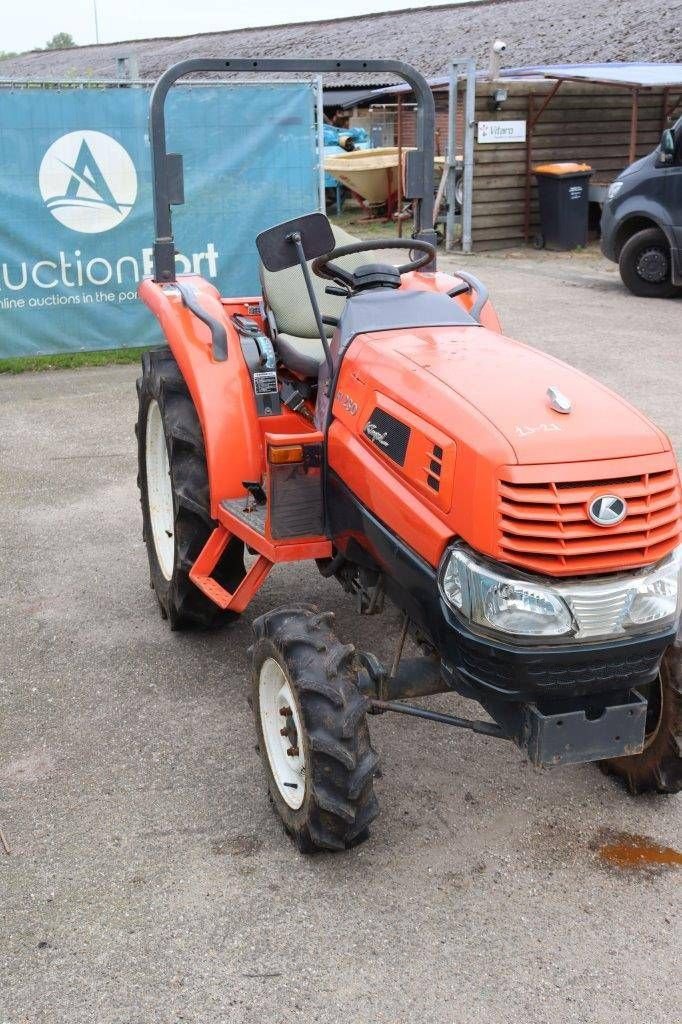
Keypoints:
pixel 6 54
pixel 62 41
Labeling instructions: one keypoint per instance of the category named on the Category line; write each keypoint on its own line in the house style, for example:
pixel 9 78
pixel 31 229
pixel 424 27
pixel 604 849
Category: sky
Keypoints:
pixel 33 22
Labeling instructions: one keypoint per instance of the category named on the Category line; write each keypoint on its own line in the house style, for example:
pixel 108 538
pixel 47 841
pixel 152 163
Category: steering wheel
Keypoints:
pixel 324 267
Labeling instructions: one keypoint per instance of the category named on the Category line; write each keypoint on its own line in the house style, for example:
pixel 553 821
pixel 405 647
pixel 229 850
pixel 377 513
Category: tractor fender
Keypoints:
pixel 220 388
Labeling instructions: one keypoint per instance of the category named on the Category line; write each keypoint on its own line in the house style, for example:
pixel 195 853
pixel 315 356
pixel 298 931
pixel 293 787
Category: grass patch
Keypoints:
pixel 70 360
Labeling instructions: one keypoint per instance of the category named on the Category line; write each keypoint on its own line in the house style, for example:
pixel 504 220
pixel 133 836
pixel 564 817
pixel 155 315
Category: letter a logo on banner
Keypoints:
pixel 88 181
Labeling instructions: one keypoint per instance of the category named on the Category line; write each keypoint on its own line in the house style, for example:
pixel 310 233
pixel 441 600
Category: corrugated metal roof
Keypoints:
pixel 622 73
pixel 618 73
pixel 536 33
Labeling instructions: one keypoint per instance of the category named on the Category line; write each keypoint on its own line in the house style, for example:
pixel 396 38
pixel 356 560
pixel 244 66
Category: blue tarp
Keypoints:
pixel 331 136
pixel 76 225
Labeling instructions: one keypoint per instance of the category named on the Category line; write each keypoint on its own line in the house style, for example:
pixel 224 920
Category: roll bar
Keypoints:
pixel 167 167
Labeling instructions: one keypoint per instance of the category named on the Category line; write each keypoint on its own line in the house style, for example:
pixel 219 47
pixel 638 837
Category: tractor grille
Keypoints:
pixel 544 526
pixel 388 434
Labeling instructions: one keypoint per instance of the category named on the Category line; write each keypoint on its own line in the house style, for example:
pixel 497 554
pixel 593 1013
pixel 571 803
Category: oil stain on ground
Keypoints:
pixel 636 853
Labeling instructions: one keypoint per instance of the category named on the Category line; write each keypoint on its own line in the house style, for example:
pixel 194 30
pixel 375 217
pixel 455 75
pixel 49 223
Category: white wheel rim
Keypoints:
pixel 288 769
pixel 159 490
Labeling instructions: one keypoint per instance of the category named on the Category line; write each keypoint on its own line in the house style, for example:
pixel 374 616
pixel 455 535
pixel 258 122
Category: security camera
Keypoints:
pixel 497 48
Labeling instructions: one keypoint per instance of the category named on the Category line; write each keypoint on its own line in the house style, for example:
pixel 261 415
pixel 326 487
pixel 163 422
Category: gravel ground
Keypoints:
pixel 149 881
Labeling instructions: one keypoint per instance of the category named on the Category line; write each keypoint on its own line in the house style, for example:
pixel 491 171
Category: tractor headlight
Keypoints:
pixel 658 595
pixel 505 604
pixel 498 599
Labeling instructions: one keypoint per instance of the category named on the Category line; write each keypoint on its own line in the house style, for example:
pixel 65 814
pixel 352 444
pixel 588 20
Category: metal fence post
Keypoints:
pixel 468 183
pixel 465 67
pixel 451 158
pixel 319 107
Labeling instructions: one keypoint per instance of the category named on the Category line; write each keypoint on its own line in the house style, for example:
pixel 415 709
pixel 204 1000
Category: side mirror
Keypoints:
pixel 667 146
pixel 276 246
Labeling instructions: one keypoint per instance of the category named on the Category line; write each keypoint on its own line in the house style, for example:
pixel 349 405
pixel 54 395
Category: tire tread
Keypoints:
pixel 340 803
pixel 180 601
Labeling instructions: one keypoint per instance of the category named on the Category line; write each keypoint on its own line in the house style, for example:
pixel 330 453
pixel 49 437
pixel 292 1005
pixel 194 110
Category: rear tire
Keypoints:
pixel 645 265
pixel 312 730
pixel 174 494
pixel 658 769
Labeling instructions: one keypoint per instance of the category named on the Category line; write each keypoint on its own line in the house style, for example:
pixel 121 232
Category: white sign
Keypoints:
pixel 501 131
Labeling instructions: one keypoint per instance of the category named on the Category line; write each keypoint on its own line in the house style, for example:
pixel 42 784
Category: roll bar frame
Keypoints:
pixel 167 167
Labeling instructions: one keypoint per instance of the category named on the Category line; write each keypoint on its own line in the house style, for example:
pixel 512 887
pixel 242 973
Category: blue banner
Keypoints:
pixel 76 226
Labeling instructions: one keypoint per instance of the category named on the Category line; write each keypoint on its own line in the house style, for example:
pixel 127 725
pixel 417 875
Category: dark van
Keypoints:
pixel 642 220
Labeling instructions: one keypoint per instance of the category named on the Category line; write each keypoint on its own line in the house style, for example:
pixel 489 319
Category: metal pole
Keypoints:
pixel 468 183
pixel 529 160
pixel 295 237
pixel 400 165
pixel 634 117
pixel 451 156
pixel 319 106
pixel 94 7
pixel 664 108
pixel 483 728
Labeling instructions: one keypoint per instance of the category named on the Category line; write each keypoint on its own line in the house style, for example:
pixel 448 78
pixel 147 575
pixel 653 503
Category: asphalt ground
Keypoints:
pixel 149 881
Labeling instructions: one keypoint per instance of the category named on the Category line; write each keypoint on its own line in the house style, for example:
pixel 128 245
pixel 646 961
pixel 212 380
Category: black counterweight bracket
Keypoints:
pixel 218 332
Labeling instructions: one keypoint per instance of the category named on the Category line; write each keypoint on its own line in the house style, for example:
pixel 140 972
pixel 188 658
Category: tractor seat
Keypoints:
pixel 290 314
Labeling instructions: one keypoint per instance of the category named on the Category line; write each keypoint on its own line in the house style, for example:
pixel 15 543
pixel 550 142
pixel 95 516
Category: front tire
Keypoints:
pixel 658 769
pixel 174 494
pixel 645 265
pixel 312 730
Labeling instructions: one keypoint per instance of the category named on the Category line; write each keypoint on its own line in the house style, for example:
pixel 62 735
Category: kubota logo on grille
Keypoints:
pixel 88 181
pixel 607 510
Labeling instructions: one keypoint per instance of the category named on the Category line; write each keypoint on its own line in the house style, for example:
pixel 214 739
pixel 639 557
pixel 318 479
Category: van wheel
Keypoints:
pixel 174 494
pixel 645 265
pixel 658 768
pixel 311 722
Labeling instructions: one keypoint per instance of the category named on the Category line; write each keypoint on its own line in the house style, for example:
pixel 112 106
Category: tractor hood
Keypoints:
pixel 508 382
pixel 449 432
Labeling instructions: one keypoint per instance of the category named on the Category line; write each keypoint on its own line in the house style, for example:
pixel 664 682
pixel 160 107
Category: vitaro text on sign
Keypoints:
pixel 501 131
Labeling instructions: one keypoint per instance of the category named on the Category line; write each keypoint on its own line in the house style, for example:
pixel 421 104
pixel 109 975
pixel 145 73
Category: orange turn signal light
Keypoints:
pixel 285 454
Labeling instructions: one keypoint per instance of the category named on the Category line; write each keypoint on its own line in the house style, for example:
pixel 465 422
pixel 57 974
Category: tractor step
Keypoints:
pixel 202 570
pixel 237 519
pixel 248 512
pixel 253 528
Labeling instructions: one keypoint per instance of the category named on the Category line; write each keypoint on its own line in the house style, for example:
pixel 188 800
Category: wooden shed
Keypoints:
pixel 605 125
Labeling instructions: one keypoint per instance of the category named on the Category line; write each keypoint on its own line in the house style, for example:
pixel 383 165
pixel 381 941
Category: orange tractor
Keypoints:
pixel 374 420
